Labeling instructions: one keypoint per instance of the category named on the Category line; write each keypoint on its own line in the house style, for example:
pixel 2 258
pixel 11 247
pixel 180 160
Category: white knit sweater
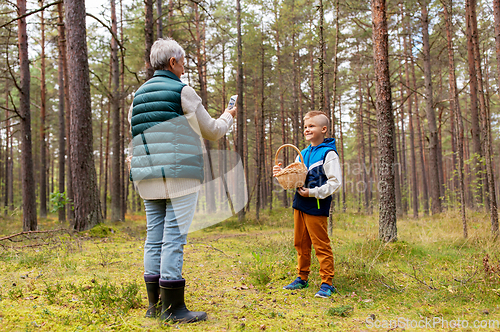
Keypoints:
pixel 206 127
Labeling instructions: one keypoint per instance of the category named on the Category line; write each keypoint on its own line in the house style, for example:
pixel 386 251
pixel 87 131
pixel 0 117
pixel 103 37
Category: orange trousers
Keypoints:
pixel 312 230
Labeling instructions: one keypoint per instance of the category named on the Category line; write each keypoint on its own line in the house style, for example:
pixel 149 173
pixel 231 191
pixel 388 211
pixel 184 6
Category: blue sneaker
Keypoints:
pixel 325 291
pixel 297 284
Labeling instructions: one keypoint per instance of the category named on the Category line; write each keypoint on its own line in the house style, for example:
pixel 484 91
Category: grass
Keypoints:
pixel 235 272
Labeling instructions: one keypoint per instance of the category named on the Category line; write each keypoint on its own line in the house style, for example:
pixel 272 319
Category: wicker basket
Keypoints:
pixel 294 175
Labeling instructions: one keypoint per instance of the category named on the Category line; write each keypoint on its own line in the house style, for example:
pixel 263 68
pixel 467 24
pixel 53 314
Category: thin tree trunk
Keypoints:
pixel 43 143
pixel 28 180
pixel 240 120
pixel 62 98
pixel 431 117
pixel 457 113
pixel 412 134
pixel 87 205
pixel 70 214
pixel 476 140
pixel 116 170
pixel 344 207
pixel 282 106
pixel 403 168
pixel 106 168
pixel 361 147
pixel 311 78
pixel 335 67
pixel 387 215
pixel 294 111
pixel 496 6
pixel 125 182
pixel 159 23
pixel 148 30
pixel 8 178
pixel 420 139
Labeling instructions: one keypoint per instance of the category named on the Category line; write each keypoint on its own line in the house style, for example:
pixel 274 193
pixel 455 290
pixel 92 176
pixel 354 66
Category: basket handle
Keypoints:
pixel 292 146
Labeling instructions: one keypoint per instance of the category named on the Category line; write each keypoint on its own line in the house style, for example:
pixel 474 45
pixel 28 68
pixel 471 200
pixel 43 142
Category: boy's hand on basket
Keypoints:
pixel 304 192
pixel 276 169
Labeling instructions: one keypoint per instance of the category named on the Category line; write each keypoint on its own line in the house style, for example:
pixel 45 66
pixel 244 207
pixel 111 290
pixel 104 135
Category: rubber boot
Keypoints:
pixel 153 289
pixel 173 306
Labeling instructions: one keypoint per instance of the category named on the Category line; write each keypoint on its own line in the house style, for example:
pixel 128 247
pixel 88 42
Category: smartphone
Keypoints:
pixel 232 101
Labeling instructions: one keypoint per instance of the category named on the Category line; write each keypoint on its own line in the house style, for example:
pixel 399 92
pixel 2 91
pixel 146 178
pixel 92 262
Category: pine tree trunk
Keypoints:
pixel 311 78
pixel 159 20
pixel 87 205
pixel 148 30
pixel 414 184
pixel 116 168
pixel 425 190
pixel 124 175
pixel 28 180
pixel 61 106
pixel 282 108
pixel 476 140
pixel 361 147
pixel 431 117
pixel 43 143
pixel 240 120
pixel 385 119
pixel 8 177
pixel 335 68
pixel 457 114
pixel 70 214
pixel 344 207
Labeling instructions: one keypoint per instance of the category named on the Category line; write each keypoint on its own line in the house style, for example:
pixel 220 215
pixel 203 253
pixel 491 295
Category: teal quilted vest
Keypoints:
pixel 164 144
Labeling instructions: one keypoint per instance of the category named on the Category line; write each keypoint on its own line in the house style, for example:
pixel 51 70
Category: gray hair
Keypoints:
pixel 163 50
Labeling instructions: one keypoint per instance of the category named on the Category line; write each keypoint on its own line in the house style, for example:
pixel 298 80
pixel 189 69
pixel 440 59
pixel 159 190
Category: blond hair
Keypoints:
pixel 323 120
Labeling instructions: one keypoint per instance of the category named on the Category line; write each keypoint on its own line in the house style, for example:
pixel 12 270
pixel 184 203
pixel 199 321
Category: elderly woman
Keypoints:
pixel 168 121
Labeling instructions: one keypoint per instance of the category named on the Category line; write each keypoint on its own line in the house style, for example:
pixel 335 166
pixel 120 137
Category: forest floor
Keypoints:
pixel 431 279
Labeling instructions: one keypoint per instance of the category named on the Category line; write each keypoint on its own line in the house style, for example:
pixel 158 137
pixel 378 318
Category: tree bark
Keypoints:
pixel 482 104
pixel 420 139
pixel 496 7
pixel 282 102
pixel 61 93
pixel 361 147
pixel 148 30
pixel 412 132
pixel 43 143
pixel 335 68
pixel 240 120
pixel 476 140
pixel 456 112
pixel 385 119
pixel 28 180
pixel 87 205
pixel 431 117
pixel 159 20
pixel 8 177
pixel 344 207
pixel 116 168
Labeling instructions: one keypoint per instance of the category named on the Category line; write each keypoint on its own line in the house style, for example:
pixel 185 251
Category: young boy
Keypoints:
pixel 311 203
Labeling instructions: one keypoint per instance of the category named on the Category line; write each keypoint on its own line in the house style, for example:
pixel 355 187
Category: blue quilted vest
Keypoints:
pixel 164 144
pixel 314 157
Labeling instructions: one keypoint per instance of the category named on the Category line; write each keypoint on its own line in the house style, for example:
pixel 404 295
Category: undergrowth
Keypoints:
pixel 235 272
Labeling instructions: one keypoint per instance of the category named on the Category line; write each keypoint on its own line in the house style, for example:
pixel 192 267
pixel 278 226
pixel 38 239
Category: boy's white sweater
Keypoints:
pixel 333 172
pixel 206 126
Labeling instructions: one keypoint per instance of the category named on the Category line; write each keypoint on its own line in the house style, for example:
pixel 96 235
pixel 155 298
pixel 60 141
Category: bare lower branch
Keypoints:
pixel 31 13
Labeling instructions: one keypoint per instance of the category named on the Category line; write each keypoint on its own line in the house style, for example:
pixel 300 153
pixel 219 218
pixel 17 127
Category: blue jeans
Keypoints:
pixel 168 222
